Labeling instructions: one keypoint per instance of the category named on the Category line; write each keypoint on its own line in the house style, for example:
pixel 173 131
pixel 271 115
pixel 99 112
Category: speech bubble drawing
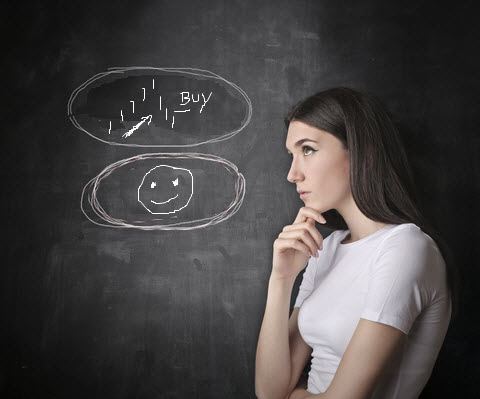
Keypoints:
pixel 159 107
pixel 115 202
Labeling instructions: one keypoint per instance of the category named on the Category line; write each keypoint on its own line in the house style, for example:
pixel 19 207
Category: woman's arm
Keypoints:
pixel 272 364
pixel 300 390
pixel 272 351
pixel 281 352
pixel 368 354
pixel 299 354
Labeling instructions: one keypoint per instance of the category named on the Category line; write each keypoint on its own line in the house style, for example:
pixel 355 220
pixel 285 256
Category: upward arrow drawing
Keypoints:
pixel 147 119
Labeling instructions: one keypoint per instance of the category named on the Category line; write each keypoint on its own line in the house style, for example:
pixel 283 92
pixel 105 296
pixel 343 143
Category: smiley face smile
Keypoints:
pixel 159 203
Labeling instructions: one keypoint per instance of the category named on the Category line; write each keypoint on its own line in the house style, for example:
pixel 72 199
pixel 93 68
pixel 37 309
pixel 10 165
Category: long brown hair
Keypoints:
pixel 381 180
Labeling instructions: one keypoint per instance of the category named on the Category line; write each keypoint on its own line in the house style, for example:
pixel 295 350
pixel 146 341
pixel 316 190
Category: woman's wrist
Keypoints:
pixel 278 278
pixel 279 287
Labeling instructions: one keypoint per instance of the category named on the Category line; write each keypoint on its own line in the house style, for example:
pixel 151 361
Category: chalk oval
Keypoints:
pixel 159 107
pixel 164 191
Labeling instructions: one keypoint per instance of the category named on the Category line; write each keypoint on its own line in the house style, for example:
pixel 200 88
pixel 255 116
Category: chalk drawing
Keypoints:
pixel 110 106
pixel 164 189
pixel 160 187
pixel 157 185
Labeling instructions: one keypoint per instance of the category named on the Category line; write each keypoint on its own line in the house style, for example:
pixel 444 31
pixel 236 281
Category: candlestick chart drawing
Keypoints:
pixel 159 107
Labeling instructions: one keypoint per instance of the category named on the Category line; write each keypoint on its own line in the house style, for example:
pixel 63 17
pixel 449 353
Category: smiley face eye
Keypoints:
pixel 153 184
pixel 175 182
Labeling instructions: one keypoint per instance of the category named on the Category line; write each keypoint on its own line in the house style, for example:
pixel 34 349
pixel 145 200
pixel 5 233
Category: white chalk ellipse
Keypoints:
pixel 164 191
pixel 159 107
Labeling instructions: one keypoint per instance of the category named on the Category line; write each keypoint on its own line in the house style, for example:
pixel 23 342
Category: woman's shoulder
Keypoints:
pixel 408 234
pixel 413 257
pixel 411 244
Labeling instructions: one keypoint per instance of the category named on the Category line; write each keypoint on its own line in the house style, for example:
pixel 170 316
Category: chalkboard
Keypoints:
pixel 110 289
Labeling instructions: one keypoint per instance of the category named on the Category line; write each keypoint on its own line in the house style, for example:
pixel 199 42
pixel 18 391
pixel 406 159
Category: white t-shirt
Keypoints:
pixel 395 276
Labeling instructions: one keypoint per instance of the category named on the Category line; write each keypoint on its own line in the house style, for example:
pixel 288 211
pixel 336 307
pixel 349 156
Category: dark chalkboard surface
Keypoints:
pixel 124 300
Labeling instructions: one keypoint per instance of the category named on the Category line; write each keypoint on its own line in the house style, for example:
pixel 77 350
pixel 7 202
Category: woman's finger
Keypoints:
pixel 311 229
pixel 282 244
pixel 306 213
pixel 302 236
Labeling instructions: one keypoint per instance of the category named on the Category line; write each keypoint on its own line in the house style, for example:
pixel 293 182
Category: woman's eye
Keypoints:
pixel 306 147
pixel 309 149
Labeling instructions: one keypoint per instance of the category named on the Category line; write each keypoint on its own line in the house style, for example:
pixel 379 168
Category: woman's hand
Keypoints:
pixel 296 243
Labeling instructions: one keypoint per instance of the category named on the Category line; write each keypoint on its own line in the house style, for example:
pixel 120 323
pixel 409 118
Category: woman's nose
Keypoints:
pixel 294 173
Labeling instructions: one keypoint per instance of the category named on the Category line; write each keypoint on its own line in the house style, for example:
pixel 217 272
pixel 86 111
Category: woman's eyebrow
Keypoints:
pixel 300 142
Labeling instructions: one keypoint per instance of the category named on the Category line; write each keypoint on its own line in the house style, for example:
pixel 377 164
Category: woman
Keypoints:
pixel 376 296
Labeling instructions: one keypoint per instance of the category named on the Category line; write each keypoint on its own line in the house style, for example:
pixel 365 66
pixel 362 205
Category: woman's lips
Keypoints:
pixel 304 195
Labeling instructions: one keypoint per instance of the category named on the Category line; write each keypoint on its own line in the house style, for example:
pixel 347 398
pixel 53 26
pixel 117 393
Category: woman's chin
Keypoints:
pixel 314 205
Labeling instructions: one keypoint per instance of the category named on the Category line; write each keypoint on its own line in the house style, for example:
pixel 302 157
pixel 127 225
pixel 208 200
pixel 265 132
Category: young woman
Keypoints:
pixel 376 296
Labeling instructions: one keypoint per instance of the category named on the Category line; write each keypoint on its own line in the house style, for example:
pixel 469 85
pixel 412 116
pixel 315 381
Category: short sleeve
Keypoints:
pixel 399 279
pixel 307 284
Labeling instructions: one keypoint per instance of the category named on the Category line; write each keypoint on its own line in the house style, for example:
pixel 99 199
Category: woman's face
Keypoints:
pixel 320 166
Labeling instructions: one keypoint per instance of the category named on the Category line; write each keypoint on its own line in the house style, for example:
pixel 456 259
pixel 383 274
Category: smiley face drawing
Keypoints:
pixel 165 189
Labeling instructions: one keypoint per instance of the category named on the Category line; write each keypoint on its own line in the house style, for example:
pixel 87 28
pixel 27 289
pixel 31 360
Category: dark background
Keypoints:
pixel 96 312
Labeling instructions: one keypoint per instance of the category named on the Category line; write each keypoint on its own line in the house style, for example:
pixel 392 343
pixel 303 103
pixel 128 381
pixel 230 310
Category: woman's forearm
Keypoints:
pixel 273 363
